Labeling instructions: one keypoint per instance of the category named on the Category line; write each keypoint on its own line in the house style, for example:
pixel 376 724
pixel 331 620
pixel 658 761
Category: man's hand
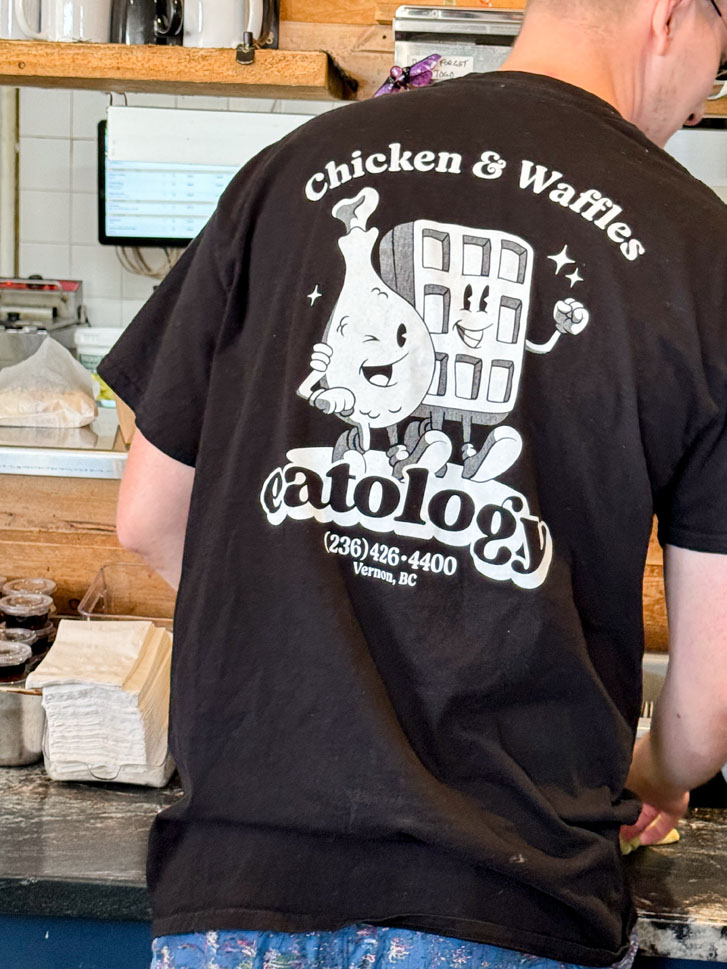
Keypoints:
pixel 652 825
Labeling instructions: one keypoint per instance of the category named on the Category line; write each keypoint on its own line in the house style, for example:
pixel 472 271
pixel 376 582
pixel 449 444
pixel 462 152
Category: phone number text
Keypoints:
pixel 362 550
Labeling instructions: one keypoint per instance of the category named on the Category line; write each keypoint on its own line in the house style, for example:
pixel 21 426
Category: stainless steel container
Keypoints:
pixel 467 40
pixel 22 720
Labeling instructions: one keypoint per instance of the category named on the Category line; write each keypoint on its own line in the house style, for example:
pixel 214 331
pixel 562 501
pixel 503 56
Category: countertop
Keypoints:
pixel 78 850
pixel 94 451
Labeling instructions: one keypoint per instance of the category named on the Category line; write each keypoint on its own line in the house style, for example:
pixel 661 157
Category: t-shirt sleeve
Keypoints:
pixel 161 364
pixel 692 510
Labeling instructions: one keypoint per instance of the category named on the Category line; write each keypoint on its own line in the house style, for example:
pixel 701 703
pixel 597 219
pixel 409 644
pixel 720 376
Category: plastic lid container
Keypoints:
pixel 18 637
pixel 96 340
pixel 26 604
pixel 13 657
pixel 42 586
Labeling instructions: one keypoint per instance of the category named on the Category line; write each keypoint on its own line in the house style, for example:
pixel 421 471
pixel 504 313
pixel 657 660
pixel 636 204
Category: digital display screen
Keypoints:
pixel 142 203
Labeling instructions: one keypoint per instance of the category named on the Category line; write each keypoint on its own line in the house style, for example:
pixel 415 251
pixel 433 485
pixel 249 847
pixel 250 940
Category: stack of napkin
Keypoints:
pixel 106 697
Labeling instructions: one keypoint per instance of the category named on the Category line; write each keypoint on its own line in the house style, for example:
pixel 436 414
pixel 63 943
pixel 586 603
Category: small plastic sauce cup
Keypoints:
pixel 13 659
pixel 17 636
pixel 28 610
pixel 40 586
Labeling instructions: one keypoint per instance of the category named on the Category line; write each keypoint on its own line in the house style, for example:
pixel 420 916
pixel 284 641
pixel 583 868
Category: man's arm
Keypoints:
pixel 688 740
pixel 154 496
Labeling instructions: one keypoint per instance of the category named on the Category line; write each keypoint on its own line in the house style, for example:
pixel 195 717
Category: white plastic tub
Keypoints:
pixel 92 345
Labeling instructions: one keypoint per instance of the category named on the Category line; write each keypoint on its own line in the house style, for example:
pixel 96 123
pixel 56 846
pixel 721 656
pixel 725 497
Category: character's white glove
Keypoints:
pixel 570 316
pixel 321 357
pixel 397 453
pixel 336 400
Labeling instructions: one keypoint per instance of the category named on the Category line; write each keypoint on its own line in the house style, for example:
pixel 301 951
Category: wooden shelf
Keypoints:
pixel 365 53
pixel 716 109
pixel 170 70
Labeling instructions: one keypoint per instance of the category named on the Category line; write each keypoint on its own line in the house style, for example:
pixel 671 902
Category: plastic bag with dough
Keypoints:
pixel 48 389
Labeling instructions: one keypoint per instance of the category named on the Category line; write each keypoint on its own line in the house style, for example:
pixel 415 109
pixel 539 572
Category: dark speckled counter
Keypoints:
pixel 78 850
pixel 681 890
pixel 74 850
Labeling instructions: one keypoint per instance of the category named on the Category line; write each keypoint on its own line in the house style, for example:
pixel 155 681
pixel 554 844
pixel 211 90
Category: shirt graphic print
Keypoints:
pixel 431 349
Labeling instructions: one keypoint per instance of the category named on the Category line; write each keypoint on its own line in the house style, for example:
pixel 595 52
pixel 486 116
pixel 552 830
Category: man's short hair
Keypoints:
pixel 603 7
pixel 603 11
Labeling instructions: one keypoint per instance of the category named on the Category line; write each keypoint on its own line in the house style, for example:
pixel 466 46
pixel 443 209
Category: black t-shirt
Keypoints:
pixel 437 360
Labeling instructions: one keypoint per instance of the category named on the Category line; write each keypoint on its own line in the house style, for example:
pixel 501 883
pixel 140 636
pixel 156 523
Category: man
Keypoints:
pixel 406 409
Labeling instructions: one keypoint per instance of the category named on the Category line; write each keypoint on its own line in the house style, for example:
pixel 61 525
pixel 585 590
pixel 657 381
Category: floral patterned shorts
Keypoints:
pixel 352 947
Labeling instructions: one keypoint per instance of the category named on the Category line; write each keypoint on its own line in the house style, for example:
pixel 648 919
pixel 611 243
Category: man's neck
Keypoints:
pixel 573 54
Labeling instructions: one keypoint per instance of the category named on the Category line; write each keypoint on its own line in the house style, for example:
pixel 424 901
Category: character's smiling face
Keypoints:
pixel 382 375
pixel 383 353
pixel 470 324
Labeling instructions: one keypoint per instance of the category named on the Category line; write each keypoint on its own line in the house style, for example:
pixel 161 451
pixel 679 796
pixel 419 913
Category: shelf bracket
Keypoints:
pixel 245 52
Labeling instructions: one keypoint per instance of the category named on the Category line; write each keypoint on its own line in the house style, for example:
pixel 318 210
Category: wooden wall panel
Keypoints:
pixel 329 11
pixel 365 53
pixel 655 622
pixel 62 528
pixel 57 504
pixel 374 11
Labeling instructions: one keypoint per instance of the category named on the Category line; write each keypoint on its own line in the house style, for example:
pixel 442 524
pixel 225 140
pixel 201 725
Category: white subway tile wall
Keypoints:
pixel 46 164
pixel 83 165
pixel 107 312
pixel 88 108
pixel 50 261
pixel 99 269
pixel 45 113
pixel 84 218
pixel 57 172
pixel 45 216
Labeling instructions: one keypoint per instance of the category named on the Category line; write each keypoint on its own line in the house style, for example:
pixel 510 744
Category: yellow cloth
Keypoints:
pixel 628 846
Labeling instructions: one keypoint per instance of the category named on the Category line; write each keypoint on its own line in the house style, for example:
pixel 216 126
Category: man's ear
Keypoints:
pixel 663 17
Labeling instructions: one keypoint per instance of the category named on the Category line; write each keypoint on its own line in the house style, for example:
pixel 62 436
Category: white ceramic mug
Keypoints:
pixel 220 23
pixel 9 27
pixel 68 20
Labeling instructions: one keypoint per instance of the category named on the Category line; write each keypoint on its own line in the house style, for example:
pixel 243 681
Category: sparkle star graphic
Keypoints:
pixel 316 294
pixel 575 277
pixel 562 259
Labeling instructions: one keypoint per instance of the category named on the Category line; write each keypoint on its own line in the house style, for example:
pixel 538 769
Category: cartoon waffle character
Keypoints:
pixel 472 287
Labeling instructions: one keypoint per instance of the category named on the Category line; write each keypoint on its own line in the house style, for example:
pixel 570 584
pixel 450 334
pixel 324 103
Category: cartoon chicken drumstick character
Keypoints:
pixel 376 362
